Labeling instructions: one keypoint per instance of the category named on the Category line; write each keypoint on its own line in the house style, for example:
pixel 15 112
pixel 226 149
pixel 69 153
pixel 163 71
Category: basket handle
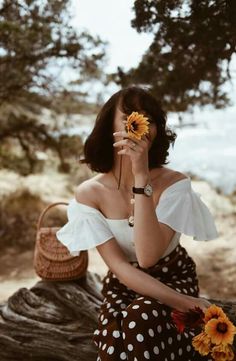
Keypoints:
pixel 45 210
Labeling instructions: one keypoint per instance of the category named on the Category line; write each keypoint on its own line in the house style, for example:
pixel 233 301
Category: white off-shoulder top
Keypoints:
pixel 179 206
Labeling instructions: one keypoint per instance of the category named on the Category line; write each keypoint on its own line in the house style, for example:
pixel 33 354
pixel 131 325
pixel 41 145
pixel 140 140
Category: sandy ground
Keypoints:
pixel 215 259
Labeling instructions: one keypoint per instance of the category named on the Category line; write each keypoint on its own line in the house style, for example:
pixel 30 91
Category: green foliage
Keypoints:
pixel 36 43
pixel 188 60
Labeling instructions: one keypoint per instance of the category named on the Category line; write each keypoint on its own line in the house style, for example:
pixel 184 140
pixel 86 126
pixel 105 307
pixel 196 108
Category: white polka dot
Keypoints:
pixel 185 334
pixel 177 289
pixel 179 263
pixel 109 292
pixel 162 345
pixel 108 305
pixel 146 355
pixel 172 356
pixel 123 335
pixel 130 347
pixel 115 314
pixel 151 332
pixel 135 307
pixel 104 322
pixel 123 305
pixel 102 317
pixel 144 316
pixel 124 313
pixel 96 332
pixel 164 312
pixel 140 337
pixel 178 337
pixel 123 356
pixel 118 301
pixel 111 310
pixel 114 295
pixel 185 291
pixel 147 302
pixel 116 333
pixel 168 326
pixel 104 332
pixel 107 280
pixel 165 269
pixel 110 350
pixel 159 328
pixel 166 259
pixel 188 348
pixel 132 324
pixel 135 359
pixel 156 350
pixel 155 313
pixel 104 346
pixel 180 352
pixel 170 340
pixel 140 298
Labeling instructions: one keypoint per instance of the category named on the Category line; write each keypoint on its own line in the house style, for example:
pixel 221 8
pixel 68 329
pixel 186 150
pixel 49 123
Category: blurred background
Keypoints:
pixel 61 60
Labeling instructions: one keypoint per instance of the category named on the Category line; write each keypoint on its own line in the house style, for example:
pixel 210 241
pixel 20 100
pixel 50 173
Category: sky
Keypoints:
pixel 110 19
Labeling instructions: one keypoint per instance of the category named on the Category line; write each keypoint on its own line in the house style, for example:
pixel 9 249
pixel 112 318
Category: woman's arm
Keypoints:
pixel 151 238
pixel 141 282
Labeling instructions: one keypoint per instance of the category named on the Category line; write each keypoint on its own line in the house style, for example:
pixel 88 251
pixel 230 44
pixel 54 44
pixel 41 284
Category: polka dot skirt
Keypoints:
pixel 136 327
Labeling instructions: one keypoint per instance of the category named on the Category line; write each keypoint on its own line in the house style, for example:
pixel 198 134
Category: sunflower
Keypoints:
pixel 136 125
pixel 202 343
pixel 222 352
pixel 213 312
pixel 220 330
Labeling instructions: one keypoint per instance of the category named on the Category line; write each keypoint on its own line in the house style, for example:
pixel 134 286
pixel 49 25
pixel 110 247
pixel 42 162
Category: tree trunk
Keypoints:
pixel 54 321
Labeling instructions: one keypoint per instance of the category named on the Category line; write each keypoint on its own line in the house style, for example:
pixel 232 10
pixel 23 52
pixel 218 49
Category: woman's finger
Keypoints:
pixel 126 142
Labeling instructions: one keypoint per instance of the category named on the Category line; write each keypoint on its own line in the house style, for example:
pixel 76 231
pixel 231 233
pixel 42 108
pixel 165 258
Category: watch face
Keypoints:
pixel 148 190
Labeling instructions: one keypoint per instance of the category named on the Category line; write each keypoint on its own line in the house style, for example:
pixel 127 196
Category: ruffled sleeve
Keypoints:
pixel 181 208
pixel 86 228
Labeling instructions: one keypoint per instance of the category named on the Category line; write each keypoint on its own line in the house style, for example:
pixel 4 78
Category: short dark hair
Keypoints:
pixel 98 147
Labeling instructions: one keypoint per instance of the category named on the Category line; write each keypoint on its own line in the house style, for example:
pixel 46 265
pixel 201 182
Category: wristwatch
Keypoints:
pixel 147 190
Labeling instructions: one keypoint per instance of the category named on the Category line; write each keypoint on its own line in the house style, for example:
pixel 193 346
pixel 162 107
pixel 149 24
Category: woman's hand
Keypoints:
pixel 136 149
pixel 190 302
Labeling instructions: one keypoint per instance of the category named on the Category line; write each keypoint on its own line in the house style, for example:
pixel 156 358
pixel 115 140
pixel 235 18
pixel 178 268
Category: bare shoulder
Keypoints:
pixel 165 177
pixel 87 192
pixel 170 176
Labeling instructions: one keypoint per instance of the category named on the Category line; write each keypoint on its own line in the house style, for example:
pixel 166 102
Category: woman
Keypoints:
pixel 134 211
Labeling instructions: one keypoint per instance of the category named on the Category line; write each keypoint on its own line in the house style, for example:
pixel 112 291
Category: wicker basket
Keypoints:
pixel 52 260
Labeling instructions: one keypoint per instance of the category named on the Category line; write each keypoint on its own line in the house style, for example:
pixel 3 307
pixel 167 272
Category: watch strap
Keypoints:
pixel 138 190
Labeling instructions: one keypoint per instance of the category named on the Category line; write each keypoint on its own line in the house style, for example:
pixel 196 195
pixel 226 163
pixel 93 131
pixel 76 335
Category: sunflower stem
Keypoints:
pixel 120 170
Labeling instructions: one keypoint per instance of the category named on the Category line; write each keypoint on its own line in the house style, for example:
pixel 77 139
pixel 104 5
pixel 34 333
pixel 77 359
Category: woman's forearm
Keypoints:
pixel 150 242
pixel 145 284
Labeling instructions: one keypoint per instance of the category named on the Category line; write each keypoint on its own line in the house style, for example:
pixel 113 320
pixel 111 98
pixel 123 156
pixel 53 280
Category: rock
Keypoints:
pixel 55 321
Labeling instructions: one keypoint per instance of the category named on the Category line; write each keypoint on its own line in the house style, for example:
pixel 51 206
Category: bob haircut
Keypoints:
pixel 98 147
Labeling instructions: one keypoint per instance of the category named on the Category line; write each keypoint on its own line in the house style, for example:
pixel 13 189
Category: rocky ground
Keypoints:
pixel 215 259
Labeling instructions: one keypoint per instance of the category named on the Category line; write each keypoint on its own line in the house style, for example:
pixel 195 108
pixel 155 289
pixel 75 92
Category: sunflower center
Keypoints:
pixel 222 327
pixel 135 126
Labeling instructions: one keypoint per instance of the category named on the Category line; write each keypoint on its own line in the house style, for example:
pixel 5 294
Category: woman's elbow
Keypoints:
pixel 147 263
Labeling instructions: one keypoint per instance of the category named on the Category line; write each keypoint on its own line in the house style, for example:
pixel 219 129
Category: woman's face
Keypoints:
pixel 118 125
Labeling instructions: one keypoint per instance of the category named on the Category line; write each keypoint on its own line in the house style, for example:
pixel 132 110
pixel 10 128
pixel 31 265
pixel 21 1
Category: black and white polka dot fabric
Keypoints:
pixel 135 327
